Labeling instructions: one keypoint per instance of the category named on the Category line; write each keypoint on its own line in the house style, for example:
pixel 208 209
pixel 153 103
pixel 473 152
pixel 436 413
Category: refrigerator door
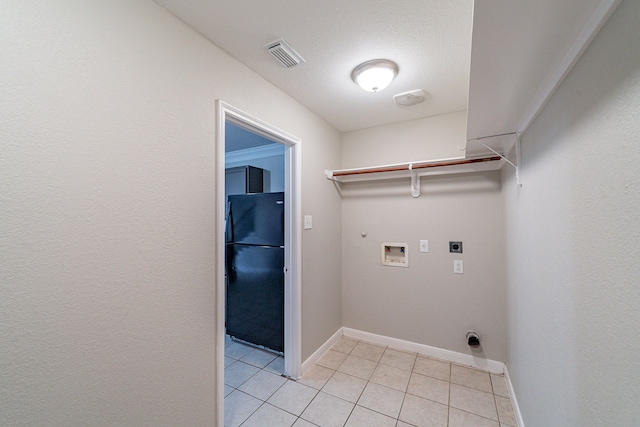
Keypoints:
pixel 256 219
pixel 255 295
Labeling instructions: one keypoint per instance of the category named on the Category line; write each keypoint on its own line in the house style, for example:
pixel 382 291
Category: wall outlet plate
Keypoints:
pixel 424 246
pixel 455 247
pixel 458 266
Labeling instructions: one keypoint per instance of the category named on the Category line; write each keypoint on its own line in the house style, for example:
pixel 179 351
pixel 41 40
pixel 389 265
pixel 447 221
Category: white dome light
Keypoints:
pixel 374 75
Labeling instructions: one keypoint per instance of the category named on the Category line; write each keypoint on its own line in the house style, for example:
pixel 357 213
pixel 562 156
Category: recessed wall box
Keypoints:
pixel 455 247
pixel 395 254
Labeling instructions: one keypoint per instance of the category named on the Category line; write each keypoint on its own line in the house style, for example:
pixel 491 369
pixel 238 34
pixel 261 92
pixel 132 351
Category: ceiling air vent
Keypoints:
pixel 285 55
pixel 412 97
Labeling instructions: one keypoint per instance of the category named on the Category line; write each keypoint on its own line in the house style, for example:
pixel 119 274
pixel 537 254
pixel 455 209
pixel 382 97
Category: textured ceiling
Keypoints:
pixel 430 40
pixel 519 47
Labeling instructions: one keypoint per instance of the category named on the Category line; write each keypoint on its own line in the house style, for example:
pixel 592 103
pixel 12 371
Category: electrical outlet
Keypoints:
pixel 308 222
pixel 458 266
pixel 424 246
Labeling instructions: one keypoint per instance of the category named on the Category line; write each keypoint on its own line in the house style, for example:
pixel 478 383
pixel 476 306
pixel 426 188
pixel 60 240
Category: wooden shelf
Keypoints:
pixel 423 168
pixel 415 170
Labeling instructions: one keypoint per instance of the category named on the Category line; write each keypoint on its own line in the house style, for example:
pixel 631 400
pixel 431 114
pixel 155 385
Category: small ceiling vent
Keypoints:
pixel 410 98
pixel 284 53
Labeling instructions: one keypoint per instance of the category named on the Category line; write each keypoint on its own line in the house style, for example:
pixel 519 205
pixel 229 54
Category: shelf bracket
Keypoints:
pixel 415 182
pixel 494 151
pixel 518 155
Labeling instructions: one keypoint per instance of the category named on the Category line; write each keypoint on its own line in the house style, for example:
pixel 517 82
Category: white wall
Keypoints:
pixel 425 303
pixel 107 225
pixel 573 243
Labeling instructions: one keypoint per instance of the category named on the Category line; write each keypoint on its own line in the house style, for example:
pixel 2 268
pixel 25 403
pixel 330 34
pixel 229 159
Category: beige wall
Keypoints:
pixel 425 303
pixel 432 138
pixel 321 245
pixel 107 213
pixel 573 243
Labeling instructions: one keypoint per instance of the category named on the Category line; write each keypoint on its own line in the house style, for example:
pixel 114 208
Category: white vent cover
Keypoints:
pixel 284 53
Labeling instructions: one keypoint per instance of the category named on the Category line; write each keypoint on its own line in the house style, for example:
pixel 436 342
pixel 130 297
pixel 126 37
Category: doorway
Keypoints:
pixel 227 114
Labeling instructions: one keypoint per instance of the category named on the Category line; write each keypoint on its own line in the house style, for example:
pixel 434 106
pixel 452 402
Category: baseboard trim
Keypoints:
pixel 514 400
pixel 492 366
pixel 307 364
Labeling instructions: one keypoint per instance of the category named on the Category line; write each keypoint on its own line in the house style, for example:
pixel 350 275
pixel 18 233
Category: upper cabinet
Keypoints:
pixel 245 179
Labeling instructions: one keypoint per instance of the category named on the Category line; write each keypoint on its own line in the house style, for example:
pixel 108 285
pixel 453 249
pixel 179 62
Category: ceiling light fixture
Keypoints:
pixel 375 75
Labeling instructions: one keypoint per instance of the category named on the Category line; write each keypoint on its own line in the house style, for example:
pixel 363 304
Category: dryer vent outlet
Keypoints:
pixel 473 339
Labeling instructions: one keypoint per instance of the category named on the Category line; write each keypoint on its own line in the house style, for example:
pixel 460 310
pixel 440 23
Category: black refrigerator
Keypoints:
pixel 255 269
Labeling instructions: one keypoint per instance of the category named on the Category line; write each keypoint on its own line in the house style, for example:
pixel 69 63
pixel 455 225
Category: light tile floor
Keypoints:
pixel 358 384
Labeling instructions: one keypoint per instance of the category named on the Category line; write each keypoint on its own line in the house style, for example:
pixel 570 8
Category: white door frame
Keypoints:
pixel 292 235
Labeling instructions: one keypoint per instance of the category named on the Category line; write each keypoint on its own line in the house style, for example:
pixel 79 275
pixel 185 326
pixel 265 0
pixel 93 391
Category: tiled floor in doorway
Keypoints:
pixel 361 384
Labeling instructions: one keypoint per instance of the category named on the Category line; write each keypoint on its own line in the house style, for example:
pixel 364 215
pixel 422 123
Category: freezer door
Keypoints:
pixel 255 295
pixel 256 219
